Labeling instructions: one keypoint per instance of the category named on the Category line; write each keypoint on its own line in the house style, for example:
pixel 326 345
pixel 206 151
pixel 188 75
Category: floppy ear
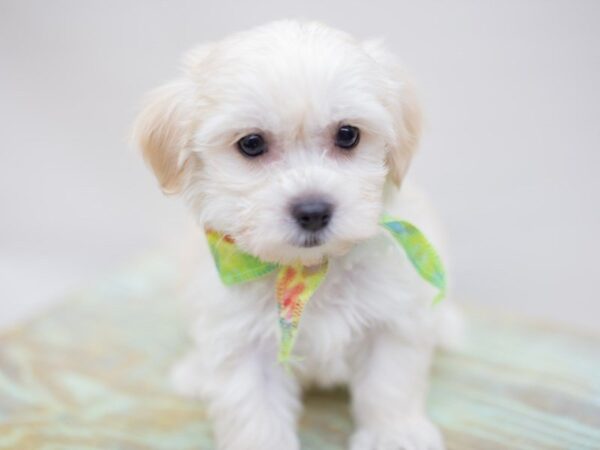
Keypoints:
pixel 164 132
pixel 401 101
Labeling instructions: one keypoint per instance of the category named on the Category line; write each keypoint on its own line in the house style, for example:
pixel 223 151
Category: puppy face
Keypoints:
pixel 283 137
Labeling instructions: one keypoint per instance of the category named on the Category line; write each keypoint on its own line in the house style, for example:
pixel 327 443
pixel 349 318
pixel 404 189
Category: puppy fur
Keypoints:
pixel 371 325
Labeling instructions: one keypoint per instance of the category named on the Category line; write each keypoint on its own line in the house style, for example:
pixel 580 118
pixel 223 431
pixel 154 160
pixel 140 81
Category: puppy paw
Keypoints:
pixel 414 434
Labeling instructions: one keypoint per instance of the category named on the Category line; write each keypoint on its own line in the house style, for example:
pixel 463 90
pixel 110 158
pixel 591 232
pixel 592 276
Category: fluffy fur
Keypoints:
pixel 370 325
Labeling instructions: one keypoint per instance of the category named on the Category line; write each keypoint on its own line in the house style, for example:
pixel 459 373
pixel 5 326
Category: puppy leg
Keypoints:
pixel 253 403
pixel 388 396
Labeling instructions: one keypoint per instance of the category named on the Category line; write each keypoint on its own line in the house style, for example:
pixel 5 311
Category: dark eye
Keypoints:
pixel 252 145
pixel 347 137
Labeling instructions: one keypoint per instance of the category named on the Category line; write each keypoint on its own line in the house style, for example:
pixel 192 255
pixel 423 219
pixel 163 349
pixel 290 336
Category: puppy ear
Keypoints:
pixel 401 101
pixel 164 132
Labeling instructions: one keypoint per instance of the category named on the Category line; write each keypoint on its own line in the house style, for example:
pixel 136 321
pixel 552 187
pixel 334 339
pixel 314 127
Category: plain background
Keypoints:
pixel 510 154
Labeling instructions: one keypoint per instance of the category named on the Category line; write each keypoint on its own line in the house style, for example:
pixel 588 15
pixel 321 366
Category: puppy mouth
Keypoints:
pixel 311 240
pixel 308 240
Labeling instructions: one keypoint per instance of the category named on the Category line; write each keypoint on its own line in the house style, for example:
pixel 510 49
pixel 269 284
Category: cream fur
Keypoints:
pixel 370 325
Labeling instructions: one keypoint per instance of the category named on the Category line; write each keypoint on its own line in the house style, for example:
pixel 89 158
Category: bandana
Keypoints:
pixel 296 284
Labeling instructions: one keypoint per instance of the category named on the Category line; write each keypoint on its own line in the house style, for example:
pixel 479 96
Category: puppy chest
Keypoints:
pixel 325 346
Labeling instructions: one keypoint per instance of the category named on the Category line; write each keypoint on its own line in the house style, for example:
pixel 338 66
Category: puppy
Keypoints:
pixel 295 117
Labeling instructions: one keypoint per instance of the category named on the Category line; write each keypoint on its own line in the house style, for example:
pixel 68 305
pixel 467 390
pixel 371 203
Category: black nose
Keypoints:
pixel 312 215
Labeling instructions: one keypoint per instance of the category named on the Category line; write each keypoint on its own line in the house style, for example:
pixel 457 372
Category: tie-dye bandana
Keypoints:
pixel 296 284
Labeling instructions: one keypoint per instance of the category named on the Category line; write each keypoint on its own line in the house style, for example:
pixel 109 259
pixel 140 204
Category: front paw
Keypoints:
pixel 414 434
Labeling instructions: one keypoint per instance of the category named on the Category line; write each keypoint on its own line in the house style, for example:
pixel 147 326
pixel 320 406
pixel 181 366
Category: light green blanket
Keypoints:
pixel 91 374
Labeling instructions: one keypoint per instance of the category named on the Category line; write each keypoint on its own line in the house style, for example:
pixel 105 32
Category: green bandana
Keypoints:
pixel 296 283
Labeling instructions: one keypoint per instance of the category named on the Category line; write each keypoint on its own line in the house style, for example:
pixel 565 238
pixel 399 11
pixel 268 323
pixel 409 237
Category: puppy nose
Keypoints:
pixel 312 215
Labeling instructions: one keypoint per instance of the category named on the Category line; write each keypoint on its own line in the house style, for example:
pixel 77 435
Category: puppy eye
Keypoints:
pixel 252 145
pixel 347 137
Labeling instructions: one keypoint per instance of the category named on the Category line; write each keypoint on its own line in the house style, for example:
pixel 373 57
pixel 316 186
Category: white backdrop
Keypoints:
pixel 510 155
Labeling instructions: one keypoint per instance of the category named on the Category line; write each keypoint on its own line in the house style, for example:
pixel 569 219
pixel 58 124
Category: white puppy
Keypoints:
pixel 293 138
